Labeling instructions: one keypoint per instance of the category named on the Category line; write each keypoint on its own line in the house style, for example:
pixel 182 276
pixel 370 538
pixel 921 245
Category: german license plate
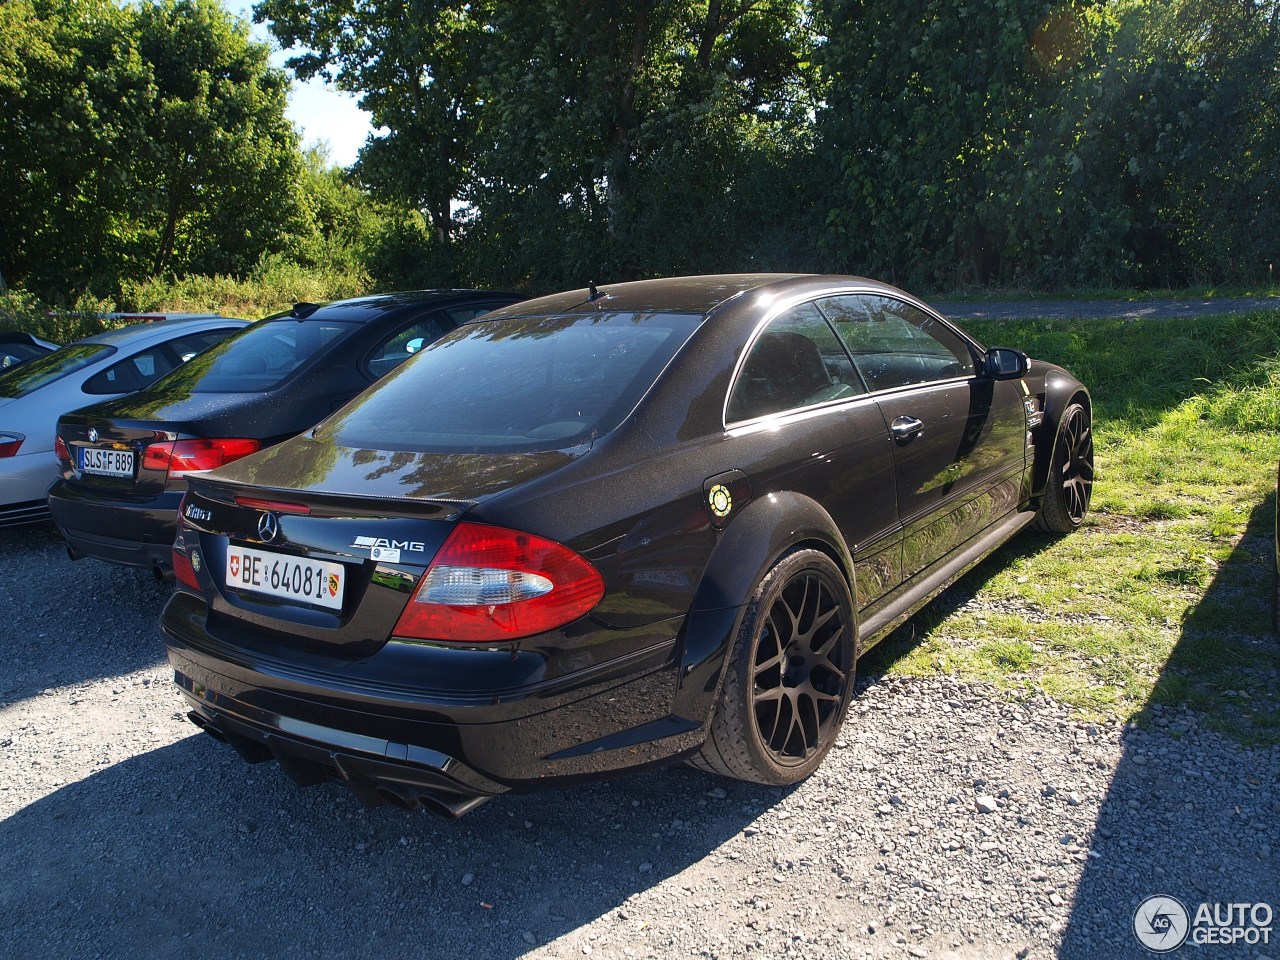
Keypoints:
pixel 106 463
pixel 291 578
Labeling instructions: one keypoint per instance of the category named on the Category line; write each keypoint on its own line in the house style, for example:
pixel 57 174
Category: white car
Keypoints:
pixel 34 394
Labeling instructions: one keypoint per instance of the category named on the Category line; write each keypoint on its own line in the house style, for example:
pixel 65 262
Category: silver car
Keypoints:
pixel 97 368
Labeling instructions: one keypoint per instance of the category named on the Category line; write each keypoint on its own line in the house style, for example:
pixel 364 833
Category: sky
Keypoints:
pixel 321 113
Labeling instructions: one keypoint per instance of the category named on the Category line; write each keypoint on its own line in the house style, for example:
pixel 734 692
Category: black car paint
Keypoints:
pixel 132 521
pixel 635 681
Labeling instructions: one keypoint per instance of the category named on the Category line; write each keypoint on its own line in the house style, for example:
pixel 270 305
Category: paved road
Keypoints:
pixel 1066 309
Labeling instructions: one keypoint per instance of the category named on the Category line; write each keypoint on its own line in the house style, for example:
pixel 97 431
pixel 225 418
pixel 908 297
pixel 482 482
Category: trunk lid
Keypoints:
pixel 107 456
pixel 324 550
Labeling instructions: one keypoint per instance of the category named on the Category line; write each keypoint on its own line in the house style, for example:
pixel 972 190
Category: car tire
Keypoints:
pixel 1275 602
pixel 1070 482
pixel 790 676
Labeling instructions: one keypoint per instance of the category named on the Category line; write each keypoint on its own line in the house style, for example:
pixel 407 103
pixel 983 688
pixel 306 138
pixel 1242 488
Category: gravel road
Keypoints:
pixel 1077 309
pixel 124 833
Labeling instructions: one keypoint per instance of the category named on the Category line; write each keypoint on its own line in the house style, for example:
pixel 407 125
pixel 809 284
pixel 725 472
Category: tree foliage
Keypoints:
pixel 138 140
pixel 542 144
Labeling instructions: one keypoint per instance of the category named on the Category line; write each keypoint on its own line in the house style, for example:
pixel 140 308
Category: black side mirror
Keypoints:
pixel 1001 363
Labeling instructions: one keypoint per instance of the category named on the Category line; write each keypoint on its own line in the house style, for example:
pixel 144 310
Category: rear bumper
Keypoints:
pixel 133 533
pixel 23 482
pixel 397 744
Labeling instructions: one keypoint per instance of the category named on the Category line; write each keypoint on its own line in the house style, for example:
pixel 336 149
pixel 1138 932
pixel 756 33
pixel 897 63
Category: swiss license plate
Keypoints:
pixel 105 462
pixel 293 578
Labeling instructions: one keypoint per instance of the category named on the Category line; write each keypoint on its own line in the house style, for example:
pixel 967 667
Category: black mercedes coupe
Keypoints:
pixel 611 528
pixel 125 463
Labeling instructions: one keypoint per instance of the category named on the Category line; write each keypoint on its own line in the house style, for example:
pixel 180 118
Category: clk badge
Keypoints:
pixel 268 527
pixel 720 499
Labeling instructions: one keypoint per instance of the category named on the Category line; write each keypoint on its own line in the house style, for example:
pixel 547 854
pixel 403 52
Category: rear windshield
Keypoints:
pixel 259 357
pixel 540 383
pixel 34 374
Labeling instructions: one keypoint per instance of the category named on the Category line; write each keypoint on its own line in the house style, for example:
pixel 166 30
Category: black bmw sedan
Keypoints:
pixel 125 463
pixel 611 528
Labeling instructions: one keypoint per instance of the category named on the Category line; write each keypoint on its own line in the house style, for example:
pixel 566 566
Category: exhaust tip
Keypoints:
pixel 451 806
pixel 398 798
pixel 199 720
pixel 71 554
pixel 160 572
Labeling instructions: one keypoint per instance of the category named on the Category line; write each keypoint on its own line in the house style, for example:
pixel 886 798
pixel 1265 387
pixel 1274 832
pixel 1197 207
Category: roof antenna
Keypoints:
pixel 594 293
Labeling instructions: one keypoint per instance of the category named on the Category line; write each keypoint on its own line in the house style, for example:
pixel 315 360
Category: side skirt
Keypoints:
pixel 877 622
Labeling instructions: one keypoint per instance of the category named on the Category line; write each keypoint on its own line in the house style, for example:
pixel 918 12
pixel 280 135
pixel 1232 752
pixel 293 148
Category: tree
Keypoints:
pixel 414 64
pixel 934 108
pixel 621 140
pixel 138 140
pixel 73 91
pixel 219 165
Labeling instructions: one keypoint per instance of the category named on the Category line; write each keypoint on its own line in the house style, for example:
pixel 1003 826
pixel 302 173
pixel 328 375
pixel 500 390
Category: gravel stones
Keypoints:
pixel 120 827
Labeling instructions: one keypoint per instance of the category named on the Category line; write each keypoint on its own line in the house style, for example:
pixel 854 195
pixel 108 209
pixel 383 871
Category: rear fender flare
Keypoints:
pixel 767 529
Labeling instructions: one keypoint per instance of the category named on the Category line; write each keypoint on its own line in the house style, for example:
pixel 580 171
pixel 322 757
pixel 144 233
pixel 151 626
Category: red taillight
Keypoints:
pixel 180 457
pixel 9 444
pixel 184 571
pixel 60 450
pixel 489 584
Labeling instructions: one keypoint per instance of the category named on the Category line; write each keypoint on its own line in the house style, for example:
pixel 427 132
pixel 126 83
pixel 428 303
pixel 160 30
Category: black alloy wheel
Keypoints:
pixel 791 676
pixel 1070 482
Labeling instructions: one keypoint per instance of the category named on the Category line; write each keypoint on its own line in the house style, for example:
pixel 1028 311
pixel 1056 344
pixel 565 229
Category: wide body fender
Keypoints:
pixel 1059 390
pixel 767 529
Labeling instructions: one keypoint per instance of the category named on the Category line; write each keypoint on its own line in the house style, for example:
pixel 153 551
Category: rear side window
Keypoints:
pixel 12 354
pixel 540 383
pixel 259 357
pixel 796 362
pixel 400 346
pixel 34 374
pixel 132 373
pixel 184 348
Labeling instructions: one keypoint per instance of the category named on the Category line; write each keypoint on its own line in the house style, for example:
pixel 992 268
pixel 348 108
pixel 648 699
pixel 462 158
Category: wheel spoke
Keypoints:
pixel 770 694
pixel 796 729
pixel 821 622
pixel 829 645
pixel 1083 440
pixel 774 661
pixel 782 705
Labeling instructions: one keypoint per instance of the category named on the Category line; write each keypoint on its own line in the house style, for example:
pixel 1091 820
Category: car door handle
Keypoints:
pixel 906 428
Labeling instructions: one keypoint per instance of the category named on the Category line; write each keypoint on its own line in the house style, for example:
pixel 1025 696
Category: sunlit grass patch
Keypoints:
pixel 1162 597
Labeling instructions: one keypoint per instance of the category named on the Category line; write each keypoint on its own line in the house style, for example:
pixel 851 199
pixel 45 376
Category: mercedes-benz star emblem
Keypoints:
pixel 93 434
pixel 268 527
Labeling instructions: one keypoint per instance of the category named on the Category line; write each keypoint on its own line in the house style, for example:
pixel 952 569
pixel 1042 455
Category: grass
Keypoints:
pixel 276 285
pixel 1162 597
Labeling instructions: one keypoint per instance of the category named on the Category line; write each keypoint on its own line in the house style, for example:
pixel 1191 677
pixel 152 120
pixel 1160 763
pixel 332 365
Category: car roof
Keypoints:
pixel 697 294
pixel 170 325
pixel 668 295
pixel 364 309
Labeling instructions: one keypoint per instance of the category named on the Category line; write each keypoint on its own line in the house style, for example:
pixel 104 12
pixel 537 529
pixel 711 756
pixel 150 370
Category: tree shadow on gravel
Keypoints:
pixel 1190 813
pixel 186 851
pixel 69 622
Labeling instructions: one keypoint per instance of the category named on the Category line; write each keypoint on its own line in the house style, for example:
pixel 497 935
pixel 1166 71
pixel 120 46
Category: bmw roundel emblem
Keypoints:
pixel 93 434
pixel 268 527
